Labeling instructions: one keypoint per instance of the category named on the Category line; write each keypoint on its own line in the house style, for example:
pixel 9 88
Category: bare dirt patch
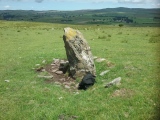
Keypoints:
pixel 127 93
pixel 56 73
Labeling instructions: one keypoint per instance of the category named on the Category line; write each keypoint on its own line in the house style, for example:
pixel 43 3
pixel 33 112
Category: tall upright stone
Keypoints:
pixel 78 53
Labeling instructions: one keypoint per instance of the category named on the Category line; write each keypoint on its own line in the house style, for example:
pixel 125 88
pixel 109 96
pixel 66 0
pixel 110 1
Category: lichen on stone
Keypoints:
pixel 70 33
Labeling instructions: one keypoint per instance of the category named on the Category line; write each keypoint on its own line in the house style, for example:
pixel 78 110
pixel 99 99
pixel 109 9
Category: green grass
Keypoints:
pixel 130 49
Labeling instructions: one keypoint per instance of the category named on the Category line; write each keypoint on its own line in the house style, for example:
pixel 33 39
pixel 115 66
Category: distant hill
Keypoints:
pixel 108 16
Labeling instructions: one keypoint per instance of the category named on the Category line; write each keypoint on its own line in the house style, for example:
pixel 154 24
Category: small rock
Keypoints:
pixel 62 79
pixel 39 69
pixel 37 65
pixel 56 61
pixel 100 59
pixel 57 83
pixel 60 98
pixel 44 61
pixel 59 72
pixel 66 83
pixel 66 86
pixel 54 71
pixel 72 83
pixel 77 85
pixel 116 81
pixel 76 93
pixel 43 70
pixel 47 77
pixel 62 61
pixel 104 72
pixel 110 64
pixel 7 80
pixel 95 57
pixel 53 67
pixel 67 61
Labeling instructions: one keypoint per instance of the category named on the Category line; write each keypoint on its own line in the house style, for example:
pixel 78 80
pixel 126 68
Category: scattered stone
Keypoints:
pixel 67 83
pixel 95 57
pixel 62 79
pixel 7 80
pixel 44 61
pixel 77 85
pixel 37 65
pixel 59 72
pixel 53 67
pixel 100 59
pixel 57 83
pixel 116 81
pixel 46 77
pixel 110 64
pixel 76 93
pixel 56 61
pixel 40 69
pixel 60 98
pixel 43 70
pixel 72 83
pixel 67 86
pixel 54 70
pixel 68 78
pixel 104 72
pixel 62 61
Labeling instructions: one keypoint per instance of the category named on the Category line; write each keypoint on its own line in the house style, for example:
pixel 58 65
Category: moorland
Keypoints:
pixel 107 16
pixel 131 53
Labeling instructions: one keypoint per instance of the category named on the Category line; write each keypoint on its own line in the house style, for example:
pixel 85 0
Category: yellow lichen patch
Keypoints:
pixel 70 33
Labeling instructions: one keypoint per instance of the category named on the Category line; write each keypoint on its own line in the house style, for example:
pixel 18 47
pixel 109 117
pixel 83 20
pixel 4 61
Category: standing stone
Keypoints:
pixel 78 53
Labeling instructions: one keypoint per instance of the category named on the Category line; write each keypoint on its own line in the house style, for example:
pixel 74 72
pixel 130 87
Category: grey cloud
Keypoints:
pixel 132 1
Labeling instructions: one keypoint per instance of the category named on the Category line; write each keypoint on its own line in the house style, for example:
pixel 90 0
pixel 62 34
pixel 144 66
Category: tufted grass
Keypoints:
pixel 130 53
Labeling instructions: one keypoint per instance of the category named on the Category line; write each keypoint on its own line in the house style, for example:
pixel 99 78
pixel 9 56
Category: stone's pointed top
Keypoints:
pixel 69 33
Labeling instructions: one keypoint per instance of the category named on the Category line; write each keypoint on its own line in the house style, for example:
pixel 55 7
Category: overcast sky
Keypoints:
pixel 75 4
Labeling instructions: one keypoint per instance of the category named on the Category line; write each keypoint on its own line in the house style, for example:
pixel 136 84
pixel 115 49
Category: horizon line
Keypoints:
pixel 77 9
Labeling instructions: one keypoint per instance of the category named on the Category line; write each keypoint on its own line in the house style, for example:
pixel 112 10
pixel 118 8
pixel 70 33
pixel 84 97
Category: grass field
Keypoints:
pixel 132 53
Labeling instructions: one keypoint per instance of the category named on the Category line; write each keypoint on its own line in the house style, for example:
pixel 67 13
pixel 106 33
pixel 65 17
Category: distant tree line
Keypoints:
pixel 123 19
pixel 113 19
pixel 66 20
pixel 7 16
pixel 156 18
